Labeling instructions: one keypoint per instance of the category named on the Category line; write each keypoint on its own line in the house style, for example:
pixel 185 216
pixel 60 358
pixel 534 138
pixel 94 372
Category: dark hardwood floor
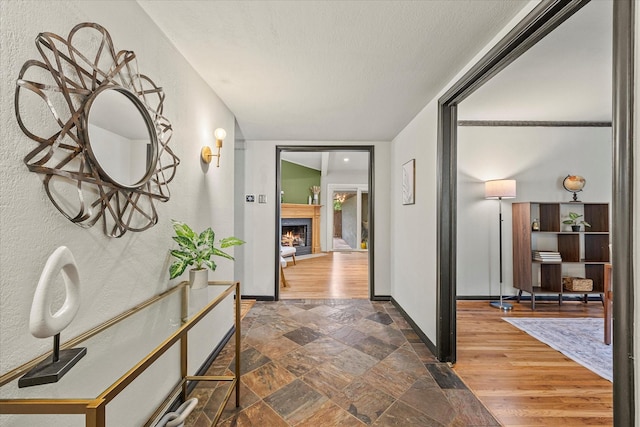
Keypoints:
pixel 521 380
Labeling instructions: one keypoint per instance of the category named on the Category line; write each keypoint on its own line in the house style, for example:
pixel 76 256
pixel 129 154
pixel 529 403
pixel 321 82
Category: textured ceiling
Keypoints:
pixel 328 70
pixel 567 76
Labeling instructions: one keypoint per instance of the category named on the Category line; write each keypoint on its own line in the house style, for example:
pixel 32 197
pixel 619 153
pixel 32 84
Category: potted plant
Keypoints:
pixel 574 222
pixel 197 250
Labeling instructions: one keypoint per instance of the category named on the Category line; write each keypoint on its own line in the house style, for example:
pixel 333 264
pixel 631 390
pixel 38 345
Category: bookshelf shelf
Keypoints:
pixel 582 253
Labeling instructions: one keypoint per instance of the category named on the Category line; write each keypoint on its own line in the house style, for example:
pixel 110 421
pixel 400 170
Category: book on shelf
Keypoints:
pixel 547 256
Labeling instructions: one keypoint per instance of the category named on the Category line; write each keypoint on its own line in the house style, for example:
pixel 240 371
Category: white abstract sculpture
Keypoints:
pixel 44 324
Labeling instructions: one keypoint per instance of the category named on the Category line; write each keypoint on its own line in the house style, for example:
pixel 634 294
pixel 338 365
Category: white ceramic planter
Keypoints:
pixel 198 279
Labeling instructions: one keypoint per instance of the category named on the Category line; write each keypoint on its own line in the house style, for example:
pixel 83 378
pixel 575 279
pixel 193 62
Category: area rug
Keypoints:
pixel 580 339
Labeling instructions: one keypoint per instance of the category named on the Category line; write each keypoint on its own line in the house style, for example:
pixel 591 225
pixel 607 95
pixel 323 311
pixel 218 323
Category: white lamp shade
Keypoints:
pixel 220 134
pixel 500 189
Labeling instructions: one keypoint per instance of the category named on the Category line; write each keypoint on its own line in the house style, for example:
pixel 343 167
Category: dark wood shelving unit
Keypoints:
pixel 587 249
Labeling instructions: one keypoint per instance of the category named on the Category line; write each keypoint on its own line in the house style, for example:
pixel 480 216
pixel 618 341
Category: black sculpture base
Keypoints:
pixel 49 371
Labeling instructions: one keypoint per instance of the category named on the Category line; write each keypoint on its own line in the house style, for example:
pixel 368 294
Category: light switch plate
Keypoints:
pixel 262 198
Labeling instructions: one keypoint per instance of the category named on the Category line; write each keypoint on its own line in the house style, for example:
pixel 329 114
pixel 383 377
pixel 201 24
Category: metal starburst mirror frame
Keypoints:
pixel 70 74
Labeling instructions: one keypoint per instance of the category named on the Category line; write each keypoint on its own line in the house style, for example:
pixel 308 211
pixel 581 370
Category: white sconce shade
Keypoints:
pixel 220 134
pixel 500 189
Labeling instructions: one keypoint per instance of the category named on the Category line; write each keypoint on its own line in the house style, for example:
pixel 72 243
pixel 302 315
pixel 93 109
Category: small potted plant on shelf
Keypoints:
pixel 574 222
pixel 197 250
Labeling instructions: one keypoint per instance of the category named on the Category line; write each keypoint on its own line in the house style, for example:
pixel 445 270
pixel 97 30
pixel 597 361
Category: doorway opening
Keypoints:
pixel 542 20
pixel 337 198
pixel 348 226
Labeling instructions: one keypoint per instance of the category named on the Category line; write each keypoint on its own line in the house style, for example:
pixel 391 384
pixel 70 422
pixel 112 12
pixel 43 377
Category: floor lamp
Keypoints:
pixel 500 189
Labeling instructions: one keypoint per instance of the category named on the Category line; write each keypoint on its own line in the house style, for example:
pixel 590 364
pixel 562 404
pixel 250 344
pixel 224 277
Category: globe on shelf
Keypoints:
pixel 574 184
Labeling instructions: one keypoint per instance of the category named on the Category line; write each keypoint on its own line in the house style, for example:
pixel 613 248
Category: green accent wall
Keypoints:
pixel 296 180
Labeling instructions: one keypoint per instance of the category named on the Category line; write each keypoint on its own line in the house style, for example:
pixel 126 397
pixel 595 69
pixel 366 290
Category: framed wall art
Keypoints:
pixel 408 182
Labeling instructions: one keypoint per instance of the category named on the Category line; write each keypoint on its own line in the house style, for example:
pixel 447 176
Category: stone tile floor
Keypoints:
pixel 335 363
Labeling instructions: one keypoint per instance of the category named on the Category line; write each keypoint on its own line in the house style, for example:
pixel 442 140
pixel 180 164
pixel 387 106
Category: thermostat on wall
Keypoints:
pixel 250 198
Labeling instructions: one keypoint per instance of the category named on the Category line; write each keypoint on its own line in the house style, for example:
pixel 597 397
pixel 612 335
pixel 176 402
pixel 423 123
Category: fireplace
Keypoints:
pixel 296 232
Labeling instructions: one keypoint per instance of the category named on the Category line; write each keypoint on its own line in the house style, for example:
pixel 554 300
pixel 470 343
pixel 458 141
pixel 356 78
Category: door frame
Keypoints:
pixel 332 188
pixel 370 149
pixel 545 17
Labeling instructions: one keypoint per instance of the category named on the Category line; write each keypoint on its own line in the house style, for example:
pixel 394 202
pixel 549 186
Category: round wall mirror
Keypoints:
pixel 120 137
pixel 110 161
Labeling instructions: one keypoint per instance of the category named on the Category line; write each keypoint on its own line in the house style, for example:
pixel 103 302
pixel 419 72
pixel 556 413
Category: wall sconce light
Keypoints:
pixel 206 154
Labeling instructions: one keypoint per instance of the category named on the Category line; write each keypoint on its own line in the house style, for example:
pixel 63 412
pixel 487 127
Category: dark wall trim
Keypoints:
pixel 544 18
pixel 446 234
pixel 533 123
pixel 423 337
pixel 259 297
pixel 538 23
pixel 371 182
pixel 381 298
pixel 622 215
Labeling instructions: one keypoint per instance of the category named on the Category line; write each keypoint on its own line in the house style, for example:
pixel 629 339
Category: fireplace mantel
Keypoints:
pixel 295 210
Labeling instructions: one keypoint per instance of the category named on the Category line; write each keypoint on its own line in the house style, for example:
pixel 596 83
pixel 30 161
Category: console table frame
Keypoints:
pixel 95 409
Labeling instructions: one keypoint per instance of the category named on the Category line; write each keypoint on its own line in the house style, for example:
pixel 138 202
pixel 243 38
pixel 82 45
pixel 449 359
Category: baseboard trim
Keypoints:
pixel 539 297
pixel 381 298
pixel 259 297
pixel 423 337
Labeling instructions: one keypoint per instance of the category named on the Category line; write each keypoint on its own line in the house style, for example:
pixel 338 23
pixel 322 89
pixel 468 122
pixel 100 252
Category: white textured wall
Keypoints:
pixel 116 273
pixel 414 227
pixel 538 158
pixel 259 219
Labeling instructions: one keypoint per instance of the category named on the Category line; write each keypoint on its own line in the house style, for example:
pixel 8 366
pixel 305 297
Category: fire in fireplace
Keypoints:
pixel 296 232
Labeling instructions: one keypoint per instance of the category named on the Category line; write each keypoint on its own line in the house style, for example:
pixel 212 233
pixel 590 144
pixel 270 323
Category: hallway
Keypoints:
pixel 336 363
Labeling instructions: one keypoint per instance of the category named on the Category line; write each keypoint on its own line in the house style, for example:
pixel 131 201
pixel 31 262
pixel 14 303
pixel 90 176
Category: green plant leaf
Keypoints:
pixel 185 242
pixel 177 268
pixel 207 237
pixel 573 219
pixel 219 253
pixel 183 229
pixel 205 255
pixel 231 241
pixel 197 249
pixel 210 264
pixel 183 255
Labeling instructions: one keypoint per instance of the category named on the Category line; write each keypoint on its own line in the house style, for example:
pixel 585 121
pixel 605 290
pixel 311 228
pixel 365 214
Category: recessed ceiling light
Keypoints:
pixel 346 159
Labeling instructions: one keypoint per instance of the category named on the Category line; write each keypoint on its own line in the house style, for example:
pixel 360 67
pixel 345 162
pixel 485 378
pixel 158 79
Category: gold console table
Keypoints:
pixel 37 399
